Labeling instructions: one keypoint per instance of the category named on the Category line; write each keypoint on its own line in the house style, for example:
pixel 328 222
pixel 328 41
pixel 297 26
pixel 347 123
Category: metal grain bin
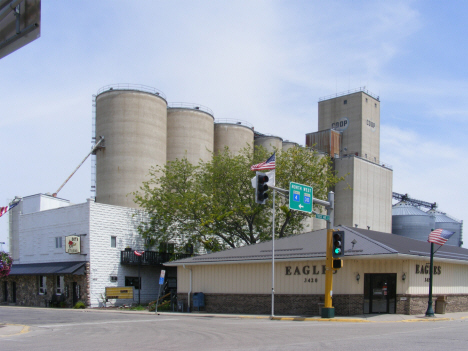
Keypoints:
pixel 411 222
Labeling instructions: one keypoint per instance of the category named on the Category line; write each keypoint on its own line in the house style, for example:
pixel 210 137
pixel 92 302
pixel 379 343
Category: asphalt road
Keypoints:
pixel 63 329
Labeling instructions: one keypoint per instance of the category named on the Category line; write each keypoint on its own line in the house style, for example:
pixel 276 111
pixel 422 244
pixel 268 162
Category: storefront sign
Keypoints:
pixel 119 293
pixel 425 269
pixel 307 271
pixel 72 244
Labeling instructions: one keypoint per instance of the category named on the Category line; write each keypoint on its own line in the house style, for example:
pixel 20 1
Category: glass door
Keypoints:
pixel 379 293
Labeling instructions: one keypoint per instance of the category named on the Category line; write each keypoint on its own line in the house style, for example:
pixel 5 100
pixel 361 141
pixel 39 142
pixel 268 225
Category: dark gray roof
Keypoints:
pixel 358 242
pixel 74 267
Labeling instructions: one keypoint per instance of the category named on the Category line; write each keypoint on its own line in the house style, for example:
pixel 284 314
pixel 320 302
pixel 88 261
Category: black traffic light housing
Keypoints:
pixel 337 263
pixel 338 244
pixel 262 187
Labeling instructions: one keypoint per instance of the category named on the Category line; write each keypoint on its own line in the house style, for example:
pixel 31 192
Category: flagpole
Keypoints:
pixel 430 311
pixel 273 261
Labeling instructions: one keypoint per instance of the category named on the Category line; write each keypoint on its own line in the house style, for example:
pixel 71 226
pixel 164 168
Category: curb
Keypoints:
pixel 349 320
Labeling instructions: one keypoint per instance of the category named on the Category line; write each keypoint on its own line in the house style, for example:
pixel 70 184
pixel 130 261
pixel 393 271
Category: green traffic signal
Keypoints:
pixel 338 243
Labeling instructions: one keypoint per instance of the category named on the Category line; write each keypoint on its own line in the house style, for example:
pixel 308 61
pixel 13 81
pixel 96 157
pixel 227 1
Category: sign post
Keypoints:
pixel 161 283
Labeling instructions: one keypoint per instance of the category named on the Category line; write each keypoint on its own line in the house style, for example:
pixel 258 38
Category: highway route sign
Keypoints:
pixel 300 197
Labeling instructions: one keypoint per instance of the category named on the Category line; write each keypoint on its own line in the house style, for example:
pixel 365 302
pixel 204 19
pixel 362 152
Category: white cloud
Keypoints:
pixel 427 169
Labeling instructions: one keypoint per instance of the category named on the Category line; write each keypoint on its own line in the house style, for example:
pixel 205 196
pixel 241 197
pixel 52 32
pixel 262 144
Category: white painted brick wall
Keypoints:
pixel 38 230
pixel 106 221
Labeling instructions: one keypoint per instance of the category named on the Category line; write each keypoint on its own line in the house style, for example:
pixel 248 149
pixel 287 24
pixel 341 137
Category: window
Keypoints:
pixel 114 279
pixel 113 241
pixel 58 242
pixel 345 102
pixel 42 285
pixel 59 285
pixel 132 281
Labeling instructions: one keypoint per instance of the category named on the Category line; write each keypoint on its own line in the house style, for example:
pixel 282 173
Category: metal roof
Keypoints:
pixel 74 267
pixel 441 217
pixel 358 243
pixel 404 209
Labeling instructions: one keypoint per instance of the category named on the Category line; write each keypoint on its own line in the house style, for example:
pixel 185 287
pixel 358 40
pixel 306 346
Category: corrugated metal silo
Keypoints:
pixel 411 222
pixel 132 119
pixel 190 132
pixel 443 221
pixel 269 142
pixel 288 145
pixel 236 135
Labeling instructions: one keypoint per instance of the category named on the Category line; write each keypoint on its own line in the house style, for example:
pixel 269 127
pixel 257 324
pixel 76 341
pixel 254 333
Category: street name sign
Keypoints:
pixel 321 216
pixel 300 197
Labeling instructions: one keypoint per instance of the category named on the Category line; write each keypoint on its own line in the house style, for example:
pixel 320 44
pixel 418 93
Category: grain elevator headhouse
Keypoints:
pixel 349 131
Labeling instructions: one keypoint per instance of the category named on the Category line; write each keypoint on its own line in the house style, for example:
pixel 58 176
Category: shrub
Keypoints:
pixel 79 304
pixel 5 264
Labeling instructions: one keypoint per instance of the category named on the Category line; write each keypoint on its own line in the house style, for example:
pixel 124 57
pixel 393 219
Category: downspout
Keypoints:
pixel 190 288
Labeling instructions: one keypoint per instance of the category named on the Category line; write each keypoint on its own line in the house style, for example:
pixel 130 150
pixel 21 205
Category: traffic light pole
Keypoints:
pixel 328 311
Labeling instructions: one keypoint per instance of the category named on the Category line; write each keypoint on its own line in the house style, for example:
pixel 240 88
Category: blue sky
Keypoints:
pixel 266 62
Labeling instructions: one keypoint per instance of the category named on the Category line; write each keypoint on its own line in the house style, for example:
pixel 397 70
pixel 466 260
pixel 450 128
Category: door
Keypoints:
pixel 5 291
pixel 76 295
pixel 379 293
pixel 13 287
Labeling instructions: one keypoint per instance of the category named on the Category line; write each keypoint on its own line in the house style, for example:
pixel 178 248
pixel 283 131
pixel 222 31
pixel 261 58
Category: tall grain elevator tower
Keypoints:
pixel 349 130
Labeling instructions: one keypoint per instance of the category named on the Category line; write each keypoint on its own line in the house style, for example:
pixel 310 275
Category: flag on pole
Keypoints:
pixel 5 209
pixel 264 166
pixel 440 236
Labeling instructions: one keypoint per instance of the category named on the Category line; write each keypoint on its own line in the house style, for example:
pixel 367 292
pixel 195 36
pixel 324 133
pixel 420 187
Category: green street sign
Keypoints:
pixel 321 216
pixel 300 197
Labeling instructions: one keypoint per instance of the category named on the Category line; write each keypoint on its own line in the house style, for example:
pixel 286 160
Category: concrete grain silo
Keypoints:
pixel 411 222
pixel 190 132
pixel 269 142
pixel 133 121
pixel 444 221
pixel 236 135
pixel 288 145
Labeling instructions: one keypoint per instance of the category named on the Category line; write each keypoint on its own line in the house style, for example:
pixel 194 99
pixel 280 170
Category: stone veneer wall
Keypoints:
pixel 285 304
pixel 27 289
pixel 308 305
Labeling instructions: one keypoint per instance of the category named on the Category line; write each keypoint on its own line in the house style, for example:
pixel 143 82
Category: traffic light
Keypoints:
pixel 262 187
pixel 337 263
pixel 338 244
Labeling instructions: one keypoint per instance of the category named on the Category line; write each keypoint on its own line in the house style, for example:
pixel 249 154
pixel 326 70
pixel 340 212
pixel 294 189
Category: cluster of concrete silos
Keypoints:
pixel 142 130
pixel 412 222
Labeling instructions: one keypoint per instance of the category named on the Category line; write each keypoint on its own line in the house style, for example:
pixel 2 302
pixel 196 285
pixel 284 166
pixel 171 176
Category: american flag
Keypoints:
pixel 264 166
pixel 5 209
pixel 440 236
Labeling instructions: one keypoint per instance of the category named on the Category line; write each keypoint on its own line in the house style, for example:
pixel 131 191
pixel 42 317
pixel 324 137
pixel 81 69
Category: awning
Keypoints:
pixel 61 268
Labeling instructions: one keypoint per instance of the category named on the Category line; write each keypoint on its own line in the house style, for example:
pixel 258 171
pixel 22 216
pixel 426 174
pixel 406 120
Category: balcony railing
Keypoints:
pixel 150 258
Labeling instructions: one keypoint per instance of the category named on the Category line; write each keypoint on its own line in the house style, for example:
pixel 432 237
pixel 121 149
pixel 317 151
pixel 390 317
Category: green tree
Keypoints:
pixel 213 203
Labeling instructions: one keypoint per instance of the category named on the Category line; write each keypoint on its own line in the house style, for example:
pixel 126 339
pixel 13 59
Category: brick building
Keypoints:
pixel 382 273
pixel 43 272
